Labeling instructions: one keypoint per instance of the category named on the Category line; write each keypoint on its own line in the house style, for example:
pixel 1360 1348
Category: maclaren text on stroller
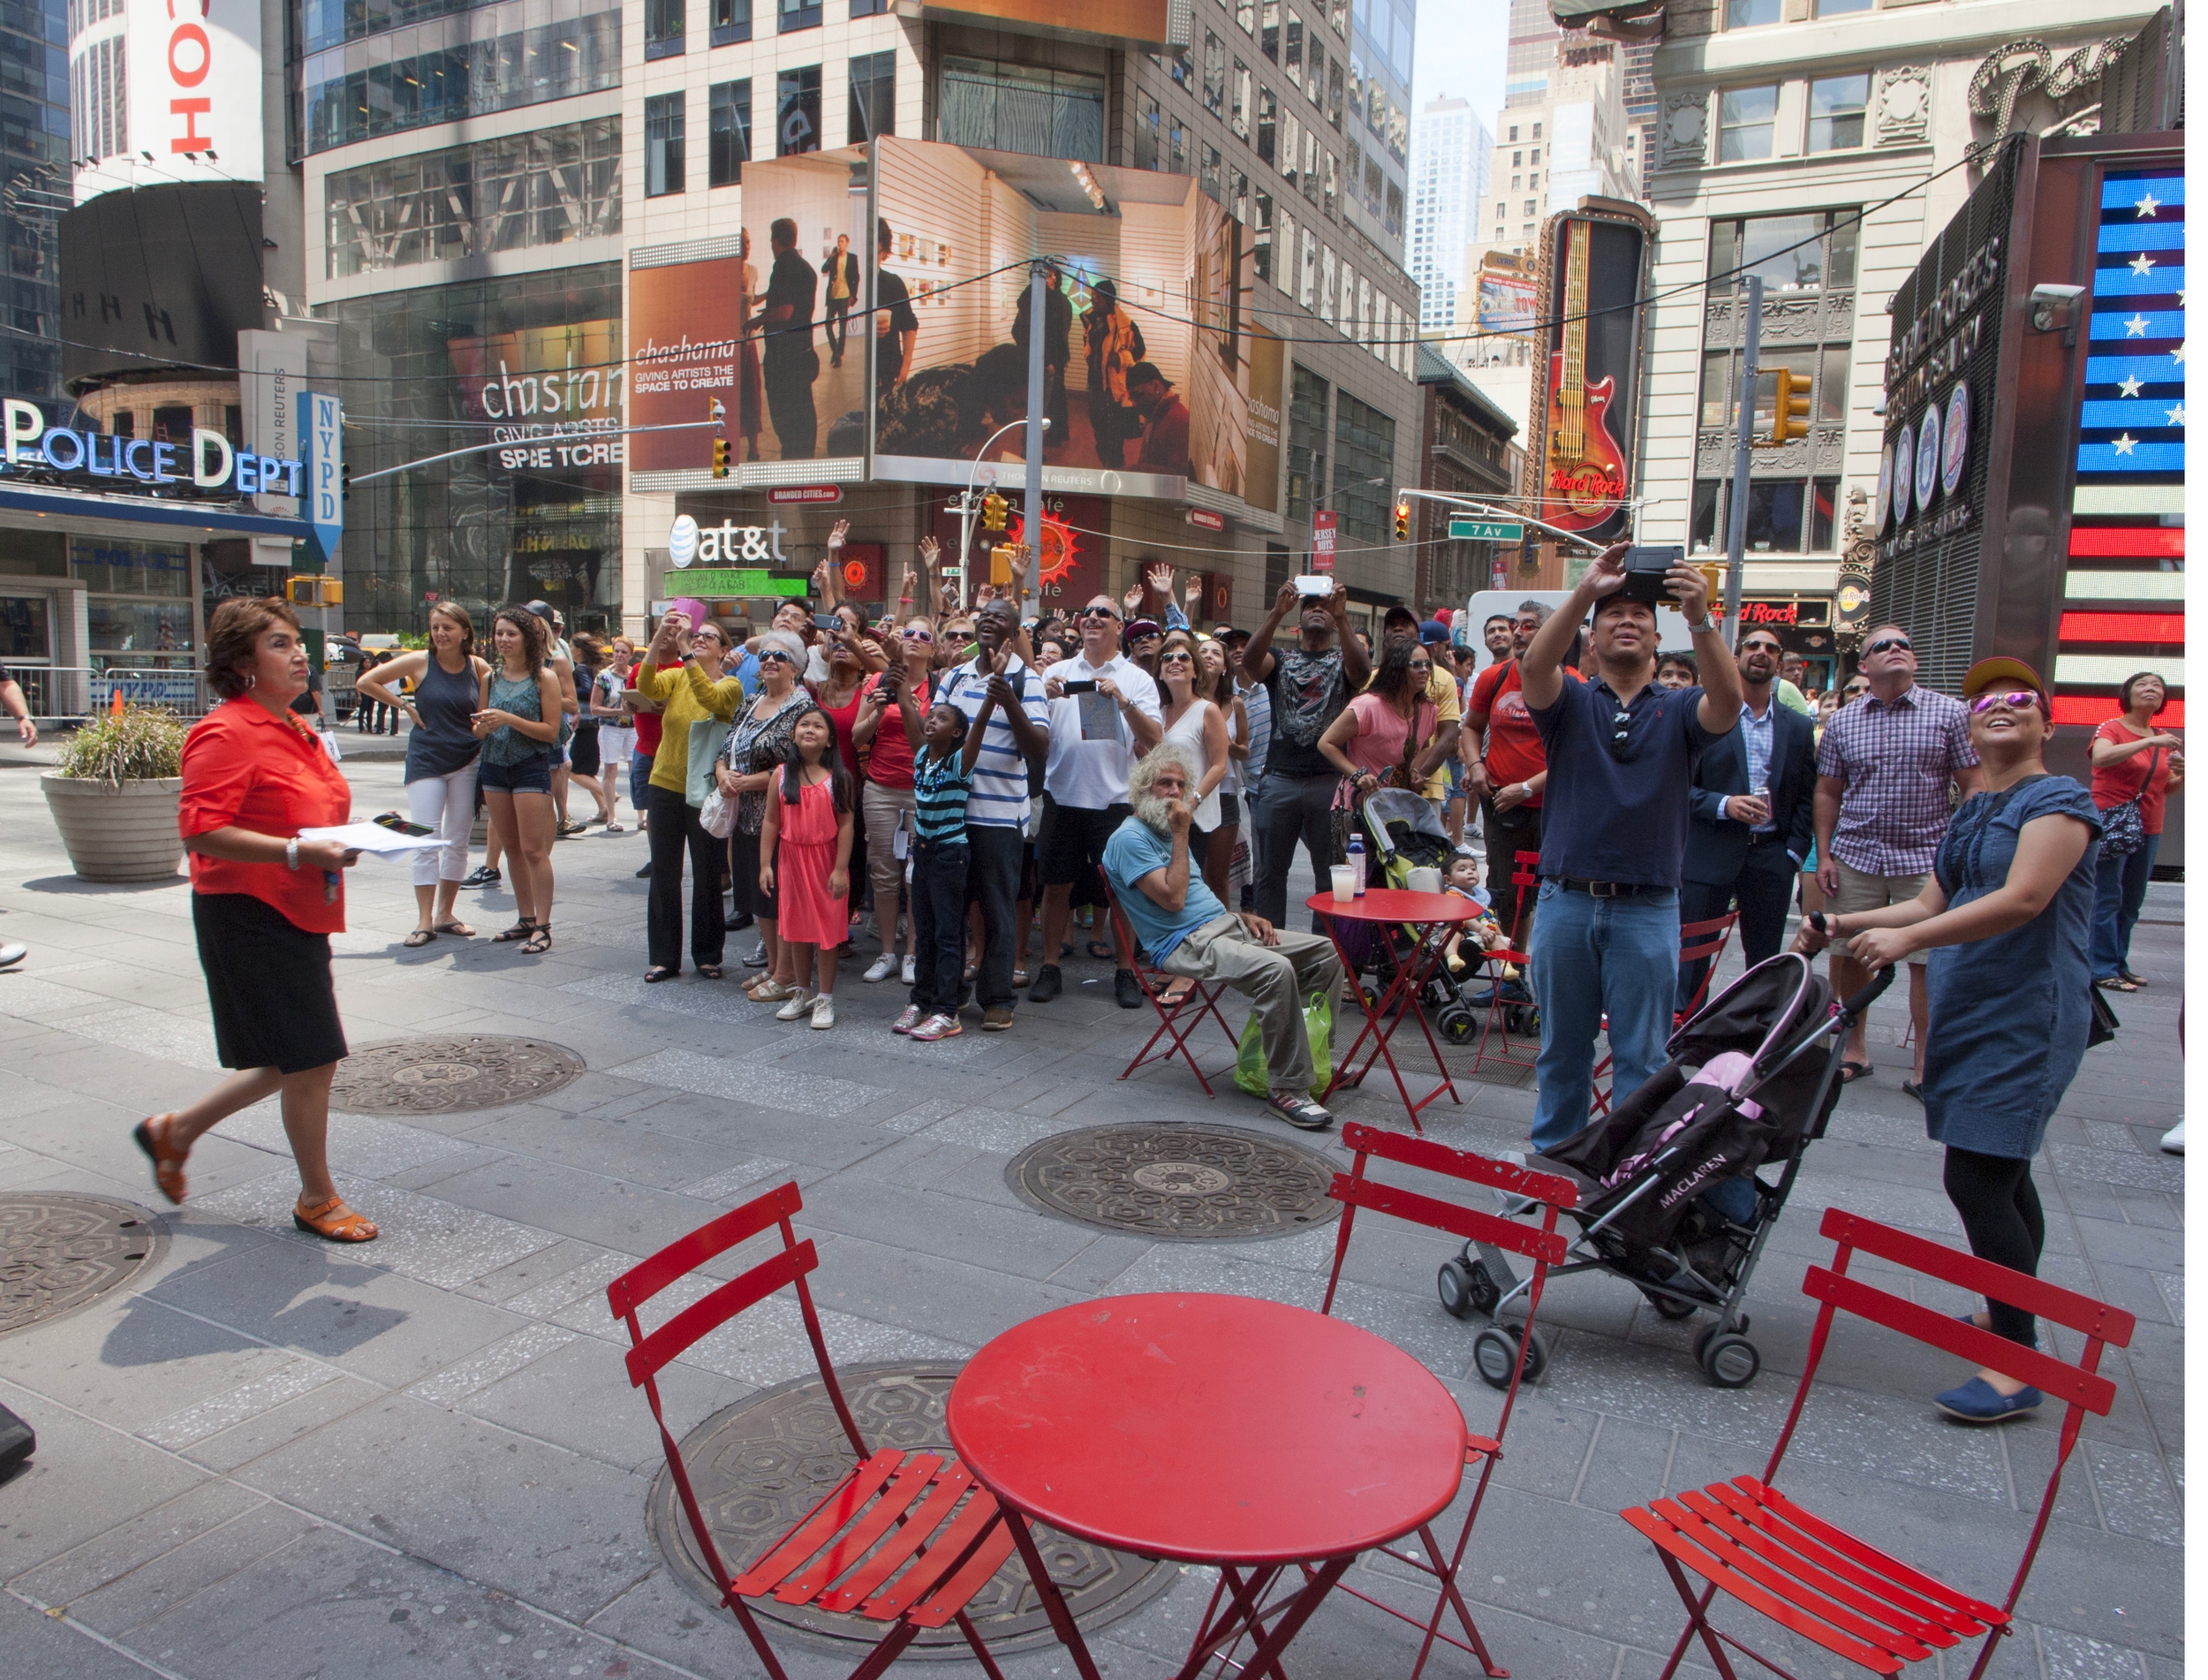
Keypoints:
pixel 1744 1089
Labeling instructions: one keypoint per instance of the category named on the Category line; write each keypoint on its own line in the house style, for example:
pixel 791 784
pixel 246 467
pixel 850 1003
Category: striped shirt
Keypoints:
pixel 999 798
pixel 1897 759
pixel 1257 704
pixel 940 787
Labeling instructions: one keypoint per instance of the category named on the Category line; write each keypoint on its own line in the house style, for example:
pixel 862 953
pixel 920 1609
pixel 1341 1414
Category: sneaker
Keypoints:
pixel 937 1026
pixel 912 1017
pixel 756 958
pixel 1978 1401
pixel 487 876
pixel 798 1007
pixel 823 1012
pixel 644 873
pixel 2173 1140
pixel 884 966
pixel 1127 989
pixel 908 974
pixel 996 1017
pixel 1048 984
pixel 11 954
pixel 1299 1110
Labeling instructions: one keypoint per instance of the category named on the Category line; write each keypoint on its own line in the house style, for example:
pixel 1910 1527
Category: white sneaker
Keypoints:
pixel 912 1017
pixel 823 1012
pixel 2173 1140
pixel 884 966
pixel 798 1008
pixel 908 976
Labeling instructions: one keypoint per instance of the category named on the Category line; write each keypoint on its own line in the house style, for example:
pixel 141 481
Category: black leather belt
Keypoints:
pixel 1608 889
pixel 1772 839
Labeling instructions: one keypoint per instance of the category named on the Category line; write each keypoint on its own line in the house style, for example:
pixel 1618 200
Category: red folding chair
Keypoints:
pixel 1696 941
pixel 904 1539
pixel 1496 1348
pixel 1524 873
pixel 1747 1540
pixel 1176 1022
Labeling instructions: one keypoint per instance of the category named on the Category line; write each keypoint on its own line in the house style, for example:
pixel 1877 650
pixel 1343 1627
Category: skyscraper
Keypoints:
pixel 34 175
pixel 1450 153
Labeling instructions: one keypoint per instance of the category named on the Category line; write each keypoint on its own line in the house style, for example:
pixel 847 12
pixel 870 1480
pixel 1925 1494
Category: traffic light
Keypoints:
pixel 995 511
pixel 719 458
pixel 313 589
pixel 1789 409
pixel 1402 521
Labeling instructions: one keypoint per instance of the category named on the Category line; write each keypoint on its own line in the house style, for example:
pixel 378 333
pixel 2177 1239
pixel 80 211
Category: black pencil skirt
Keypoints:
pixel 269 984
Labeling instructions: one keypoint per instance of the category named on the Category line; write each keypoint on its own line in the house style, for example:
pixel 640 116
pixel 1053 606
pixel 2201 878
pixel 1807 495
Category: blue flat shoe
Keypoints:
pixel 1978 1401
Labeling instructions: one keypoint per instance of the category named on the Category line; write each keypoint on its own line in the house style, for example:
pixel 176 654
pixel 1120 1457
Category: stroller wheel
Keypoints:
pixel 1495 1354
pixel 1667 1308
pixel 1458 1025
pixel 1454 1284
pixel 1731 1360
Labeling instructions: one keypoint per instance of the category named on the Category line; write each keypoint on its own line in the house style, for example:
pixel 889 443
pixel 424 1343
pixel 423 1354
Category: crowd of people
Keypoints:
pixel 924 780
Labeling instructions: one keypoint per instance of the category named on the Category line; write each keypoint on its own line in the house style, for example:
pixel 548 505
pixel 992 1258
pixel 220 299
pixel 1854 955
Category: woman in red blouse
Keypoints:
pixel 2132 760
pixel 264 904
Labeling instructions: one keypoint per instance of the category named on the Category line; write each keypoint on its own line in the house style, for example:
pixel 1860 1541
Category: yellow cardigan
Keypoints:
pixel 689 697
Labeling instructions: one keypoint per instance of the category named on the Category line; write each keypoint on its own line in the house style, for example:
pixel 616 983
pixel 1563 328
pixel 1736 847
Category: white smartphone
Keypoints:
pixel 1312 584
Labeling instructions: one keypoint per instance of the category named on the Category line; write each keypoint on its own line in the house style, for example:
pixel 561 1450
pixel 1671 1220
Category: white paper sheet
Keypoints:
pixel 376 842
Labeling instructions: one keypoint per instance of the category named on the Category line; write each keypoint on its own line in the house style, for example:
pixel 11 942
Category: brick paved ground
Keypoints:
pixel 270 1457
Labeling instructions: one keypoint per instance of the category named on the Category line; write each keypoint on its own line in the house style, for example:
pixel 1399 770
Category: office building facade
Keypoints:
pixel 1451 154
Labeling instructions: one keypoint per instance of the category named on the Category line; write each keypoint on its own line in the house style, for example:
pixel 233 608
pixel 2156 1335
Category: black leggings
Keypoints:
pixel 2001 1217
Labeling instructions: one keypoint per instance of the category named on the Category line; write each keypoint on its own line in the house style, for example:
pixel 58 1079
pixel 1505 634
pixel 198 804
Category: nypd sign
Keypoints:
pixel 209 463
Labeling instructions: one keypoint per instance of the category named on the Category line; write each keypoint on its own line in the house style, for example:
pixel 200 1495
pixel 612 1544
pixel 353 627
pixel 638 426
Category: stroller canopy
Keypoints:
pixel 1399 820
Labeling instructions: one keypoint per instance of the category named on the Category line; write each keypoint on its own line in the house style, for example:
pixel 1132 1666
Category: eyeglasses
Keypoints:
pixel 918 635
pixel 1887 644
pixel 1421 668
pixel 2017 700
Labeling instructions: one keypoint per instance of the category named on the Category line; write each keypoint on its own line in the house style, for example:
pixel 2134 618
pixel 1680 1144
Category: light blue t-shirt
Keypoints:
pixel 1135 850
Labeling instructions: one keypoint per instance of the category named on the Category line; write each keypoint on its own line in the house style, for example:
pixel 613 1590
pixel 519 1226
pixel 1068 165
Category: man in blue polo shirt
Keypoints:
pixel 1613 829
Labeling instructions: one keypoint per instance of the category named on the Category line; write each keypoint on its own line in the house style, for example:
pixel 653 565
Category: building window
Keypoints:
pixel 1333 181
pixel 1836 108
pixel 731 22
pixel 1315 74
pixel 663 145
pixel 869 8
pixel 1333 94
pixel 729 136
pixel 1268 118
pixel 1214 73
pixel 1238 198
pixel 1307 274
pixel 1326 280
pixel 1176 131
pixel 1790 253
pixel 1291 147
pixel 1514 134
pixel 1207 177
pixel 798 111
pixel 1294 61
pixel 1364 448
pixel 1261 232
pixel 1306 440
pixel 1746 14
pixel 1269 32
pixel 1001 107
pixel 1238 108
pixel 1745 116
pixel 662 28
pixel 1246 15
pixel 794 15
pixel 1517 184
pixel 1785 516
pixel 1836 8
pixel 1148 120
pixel 1824 369
pixel 873 100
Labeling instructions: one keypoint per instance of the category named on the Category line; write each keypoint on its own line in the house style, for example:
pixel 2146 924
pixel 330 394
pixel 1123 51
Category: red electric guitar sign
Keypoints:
pixel 1584 473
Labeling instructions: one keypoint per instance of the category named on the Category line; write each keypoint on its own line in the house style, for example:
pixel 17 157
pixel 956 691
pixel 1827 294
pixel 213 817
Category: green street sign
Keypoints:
pixel 724 582
pixel 1463 527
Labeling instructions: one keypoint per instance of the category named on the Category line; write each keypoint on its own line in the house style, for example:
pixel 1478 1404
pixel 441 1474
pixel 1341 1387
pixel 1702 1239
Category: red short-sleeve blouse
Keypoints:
pixel 246 767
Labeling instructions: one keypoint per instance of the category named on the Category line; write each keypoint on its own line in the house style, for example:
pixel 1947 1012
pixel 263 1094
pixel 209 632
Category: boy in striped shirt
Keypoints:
pixel 944 747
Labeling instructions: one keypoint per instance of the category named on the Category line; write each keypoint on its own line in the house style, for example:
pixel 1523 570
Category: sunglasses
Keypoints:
pixel 1621 732
pixel 1099 612
pixel 1178 656
pixel 918 635
pixel 769 656
pixel 2017 700
pixel 1887 644
pixel 1762 647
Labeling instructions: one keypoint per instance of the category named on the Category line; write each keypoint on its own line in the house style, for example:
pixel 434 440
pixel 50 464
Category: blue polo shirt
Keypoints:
pixel 1620 816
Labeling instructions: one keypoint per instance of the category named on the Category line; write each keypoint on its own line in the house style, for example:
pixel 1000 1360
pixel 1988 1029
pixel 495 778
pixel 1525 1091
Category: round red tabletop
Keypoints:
pixel 1395 904
pixel 1208 1429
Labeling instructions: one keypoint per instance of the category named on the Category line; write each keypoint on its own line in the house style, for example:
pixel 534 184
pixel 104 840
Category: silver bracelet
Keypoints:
pixel 292 853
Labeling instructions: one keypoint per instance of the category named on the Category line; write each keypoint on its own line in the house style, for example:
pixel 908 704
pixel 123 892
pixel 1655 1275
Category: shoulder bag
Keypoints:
pixel 2123 830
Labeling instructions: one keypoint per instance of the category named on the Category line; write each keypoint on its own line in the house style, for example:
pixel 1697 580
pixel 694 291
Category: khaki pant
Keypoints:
pixel 1860 892
pixel 1278 981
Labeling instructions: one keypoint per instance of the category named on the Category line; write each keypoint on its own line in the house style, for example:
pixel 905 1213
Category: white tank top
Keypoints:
pixel 1190 733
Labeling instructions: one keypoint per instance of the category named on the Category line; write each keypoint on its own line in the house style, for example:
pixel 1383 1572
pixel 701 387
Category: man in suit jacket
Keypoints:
pixel 841 271
pixel 1740 848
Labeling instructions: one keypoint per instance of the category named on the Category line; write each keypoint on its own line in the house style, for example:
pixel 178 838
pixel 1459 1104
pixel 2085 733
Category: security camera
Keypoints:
pixel 2052 307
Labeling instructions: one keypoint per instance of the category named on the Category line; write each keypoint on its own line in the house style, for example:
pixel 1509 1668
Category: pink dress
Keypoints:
pixel 802 863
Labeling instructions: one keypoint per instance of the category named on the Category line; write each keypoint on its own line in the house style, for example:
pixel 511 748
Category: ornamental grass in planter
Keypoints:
pixel 114 795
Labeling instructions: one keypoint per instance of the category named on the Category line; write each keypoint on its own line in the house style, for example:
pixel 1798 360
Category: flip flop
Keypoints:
pixel 1103 952
pixel 1851 1072
pixel 419 937
pixel 1914 1088
pixel 457 929
pixel 2116 983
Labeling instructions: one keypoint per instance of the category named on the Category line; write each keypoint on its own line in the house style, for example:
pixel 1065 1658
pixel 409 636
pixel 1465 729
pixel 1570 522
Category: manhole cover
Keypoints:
pixel 58 1252
pixel 1182 1183
pixel 762 1464
pixel 449 1075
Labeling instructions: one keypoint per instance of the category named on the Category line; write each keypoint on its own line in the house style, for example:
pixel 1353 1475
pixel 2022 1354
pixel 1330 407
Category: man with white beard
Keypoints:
pixel 1187 931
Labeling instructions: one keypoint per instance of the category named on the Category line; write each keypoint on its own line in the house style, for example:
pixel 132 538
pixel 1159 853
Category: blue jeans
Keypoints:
pixel 2119 888
pixel 1593 956
pixel 640 780
pixel 939 925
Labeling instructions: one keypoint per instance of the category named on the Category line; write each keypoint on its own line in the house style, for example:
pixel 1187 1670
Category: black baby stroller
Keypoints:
pixel 1403 834
pixel 1678 1195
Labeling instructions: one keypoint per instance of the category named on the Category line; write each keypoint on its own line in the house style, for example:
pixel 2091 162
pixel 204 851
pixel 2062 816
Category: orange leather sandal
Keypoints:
pixel 333 1222
pixel 168 1164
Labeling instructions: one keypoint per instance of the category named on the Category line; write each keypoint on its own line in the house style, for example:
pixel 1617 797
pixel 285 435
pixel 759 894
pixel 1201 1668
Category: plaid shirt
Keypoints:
pixel 1897 759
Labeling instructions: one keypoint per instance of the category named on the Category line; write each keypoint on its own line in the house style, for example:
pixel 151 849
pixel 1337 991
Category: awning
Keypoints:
pixel 122 515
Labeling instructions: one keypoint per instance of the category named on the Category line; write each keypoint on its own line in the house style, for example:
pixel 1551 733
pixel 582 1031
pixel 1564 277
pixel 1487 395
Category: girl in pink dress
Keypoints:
pixel 804 847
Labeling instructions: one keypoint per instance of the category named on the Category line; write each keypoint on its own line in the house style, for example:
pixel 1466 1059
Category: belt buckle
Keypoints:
pixel 1602 889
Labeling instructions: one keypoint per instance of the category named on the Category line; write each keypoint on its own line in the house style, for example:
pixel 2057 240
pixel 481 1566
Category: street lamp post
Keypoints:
pixel 965 510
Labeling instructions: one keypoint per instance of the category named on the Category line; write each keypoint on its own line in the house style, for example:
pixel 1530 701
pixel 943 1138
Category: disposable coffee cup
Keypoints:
pixel 1345 884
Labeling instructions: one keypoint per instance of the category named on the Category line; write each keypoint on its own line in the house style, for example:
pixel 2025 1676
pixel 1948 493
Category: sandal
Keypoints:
pixel 1103 952
pixel 457 929
pixel 1020 978
pixel 1851 1072
pixel 708 970
pixel 615 827
pixel 419 937
pixel 522 929
pixel 539 941
pixel 2116 983
pixel 654 975
pixel 333 1222
pixel 168 1164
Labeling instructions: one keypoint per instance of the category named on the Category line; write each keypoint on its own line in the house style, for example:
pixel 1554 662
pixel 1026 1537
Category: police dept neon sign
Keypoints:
pixel 209 463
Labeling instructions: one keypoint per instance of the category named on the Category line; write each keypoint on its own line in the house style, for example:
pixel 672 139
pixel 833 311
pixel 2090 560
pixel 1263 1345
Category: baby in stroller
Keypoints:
pixel 1462 877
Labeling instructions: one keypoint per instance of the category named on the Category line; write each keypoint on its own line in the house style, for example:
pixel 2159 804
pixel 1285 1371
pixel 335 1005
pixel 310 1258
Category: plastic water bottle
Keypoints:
pixel 1356 860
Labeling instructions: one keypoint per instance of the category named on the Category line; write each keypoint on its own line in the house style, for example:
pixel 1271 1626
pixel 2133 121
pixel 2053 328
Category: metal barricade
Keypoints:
pixel 65 693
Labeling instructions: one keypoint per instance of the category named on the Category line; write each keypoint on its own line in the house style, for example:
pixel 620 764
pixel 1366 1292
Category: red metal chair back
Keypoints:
pixel 1525 872
pixel 1696 941
pixel 1179 1023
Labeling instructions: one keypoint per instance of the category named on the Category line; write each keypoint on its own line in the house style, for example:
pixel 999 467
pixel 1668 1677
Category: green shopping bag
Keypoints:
pixel 1250 1069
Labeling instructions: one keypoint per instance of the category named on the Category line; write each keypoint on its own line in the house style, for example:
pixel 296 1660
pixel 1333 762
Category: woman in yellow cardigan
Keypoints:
pixel 692 691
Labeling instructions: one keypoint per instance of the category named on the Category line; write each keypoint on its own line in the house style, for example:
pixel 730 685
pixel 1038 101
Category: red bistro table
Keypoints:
pixel 1426 913
pixel 1208 1429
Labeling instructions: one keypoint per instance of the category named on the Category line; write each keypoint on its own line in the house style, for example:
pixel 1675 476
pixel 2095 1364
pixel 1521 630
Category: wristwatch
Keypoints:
pixel 292 853
pixel 1696 630
pixel 1525 790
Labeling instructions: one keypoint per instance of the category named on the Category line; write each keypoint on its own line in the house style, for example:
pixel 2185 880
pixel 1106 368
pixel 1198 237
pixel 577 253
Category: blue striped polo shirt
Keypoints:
pixel 999 798
pixel 939 791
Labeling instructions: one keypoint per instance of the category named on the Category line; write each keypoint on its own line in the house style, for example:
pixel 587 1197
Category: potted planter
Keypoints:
pixel 114 796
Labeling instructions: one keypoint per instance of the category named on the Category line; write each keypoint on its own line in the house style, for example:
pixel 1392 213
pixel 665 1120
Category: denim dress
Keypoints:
pixel 2009 1012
